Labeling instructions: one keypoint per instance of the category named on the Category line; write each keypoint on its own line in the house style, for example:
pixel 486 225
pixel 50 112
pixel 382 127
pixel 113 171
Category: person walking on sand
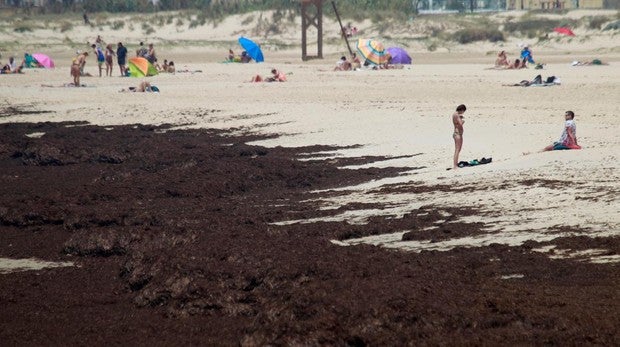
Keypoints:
pixel 458 119
pixel 568 140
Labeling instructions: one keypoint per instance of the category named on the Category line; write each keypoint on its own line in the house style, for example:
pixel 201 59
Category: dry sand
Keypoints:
pixel 400 113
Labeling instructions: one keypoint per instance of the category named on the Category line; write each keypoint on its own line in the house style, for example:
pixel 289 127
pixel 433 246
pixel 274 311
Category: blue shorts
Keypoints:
pixel 559 146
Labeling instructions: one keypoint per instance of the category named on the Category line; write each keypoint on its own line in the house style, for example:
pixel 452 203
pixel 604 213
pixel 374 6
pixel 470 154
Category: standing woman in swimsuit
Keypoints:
pixel 458 120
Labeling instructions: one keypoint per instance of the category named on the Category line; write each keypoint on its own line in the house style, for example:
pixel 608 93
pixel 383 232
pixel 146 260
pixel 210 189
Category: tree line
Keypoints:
pixel 217 7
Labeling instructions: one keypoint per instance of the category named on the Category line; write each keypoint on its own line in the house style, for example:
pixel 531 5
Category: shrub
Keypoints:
pixel 597 22
pixel 478 34
pixel 531 25
pixel 117 25
pixel 612 26
pixel 22 28
pixel 179 22
pixel 65 26
pixel 247 20
pixel 148 29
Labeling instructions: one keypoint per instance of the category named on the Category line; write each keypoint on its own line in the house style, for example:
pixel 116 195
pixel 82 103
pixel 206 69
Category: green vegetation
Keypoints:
pixel 147 28
pixel 478 34
pixel 65 26
pixel 597 22
pixel 117 25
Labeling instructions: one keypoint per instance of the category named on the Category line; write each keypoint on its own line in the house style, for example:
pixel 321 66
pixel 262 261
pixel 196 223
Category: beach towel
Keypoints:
pixel 475 162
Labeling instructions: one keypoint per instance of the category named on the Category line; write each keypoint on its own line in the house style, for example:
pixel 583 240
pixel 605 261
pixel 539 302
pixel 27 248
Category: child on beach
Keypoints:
pixel 568 140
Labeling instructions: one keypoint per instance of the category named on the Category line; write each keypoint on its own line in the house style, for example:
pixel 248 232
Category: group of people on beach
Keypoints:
pixel 502 61
pixel 343 64
pixel 11 67
pixel 568 139
pixel 244 57
pixel 105 54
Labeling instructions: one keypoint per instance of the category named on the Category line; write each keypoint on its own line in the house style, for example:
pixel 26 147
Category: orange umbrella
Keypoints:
pixel 140 67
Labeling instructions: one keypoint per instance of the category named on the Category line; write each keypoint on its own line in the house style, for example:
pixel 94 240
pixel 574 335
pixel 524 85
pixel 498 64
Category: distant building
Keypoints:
pixel 553 4
pixel 24 3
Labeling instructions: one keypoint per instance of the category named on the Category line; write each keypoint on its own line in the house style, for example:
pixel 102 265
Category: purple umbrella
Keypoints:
pixel 399 55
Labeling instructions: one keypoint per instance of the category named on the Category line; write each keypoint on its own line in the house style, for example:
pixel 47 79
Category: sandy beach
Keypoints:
pixel 396 119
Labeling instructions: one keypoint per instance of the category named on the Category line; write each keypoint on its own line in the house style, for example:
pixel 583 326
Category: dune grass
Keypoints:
pixel 433 31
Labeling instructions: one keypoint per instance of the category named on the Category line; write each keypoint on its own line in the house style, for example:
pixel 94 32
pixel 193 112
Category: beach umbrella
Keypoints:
pixel 140 67
pixel 399 55
pixel 373 51
pixel 252 48
pixel 564 31
pixel 44 60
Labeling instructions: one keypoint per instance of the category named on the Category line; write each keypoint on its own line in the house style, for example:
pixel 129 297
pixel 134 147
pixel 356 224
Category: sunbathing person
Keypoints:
pixel 502 60
pixel 171 68
pixel 343 64
pixel 245 57
pixel 276 76
pixel 355 62
pixel 163 67
pixel 516 65
pixel 143 87
pixel 11 67
pixel 568 139
pixel 588 63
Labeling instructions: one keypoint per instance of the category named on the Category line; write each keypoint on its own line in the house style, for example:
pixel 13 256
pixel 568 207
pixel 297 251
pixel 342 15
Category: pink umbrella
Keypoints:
pixel 44 60
pixel 565 31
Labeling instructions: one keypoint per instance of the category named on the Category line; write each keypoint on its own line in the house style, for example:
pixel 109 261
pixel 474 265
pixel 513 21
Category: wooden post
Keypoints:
pixel 308 20
pixel 342 31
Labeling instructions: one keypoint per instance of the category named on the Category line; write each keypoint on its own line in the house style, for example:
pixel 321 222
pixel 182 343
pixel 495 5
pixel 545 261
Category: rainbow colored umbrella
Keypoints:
pixel 43 60
pixel 373 51
pixel 140 67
